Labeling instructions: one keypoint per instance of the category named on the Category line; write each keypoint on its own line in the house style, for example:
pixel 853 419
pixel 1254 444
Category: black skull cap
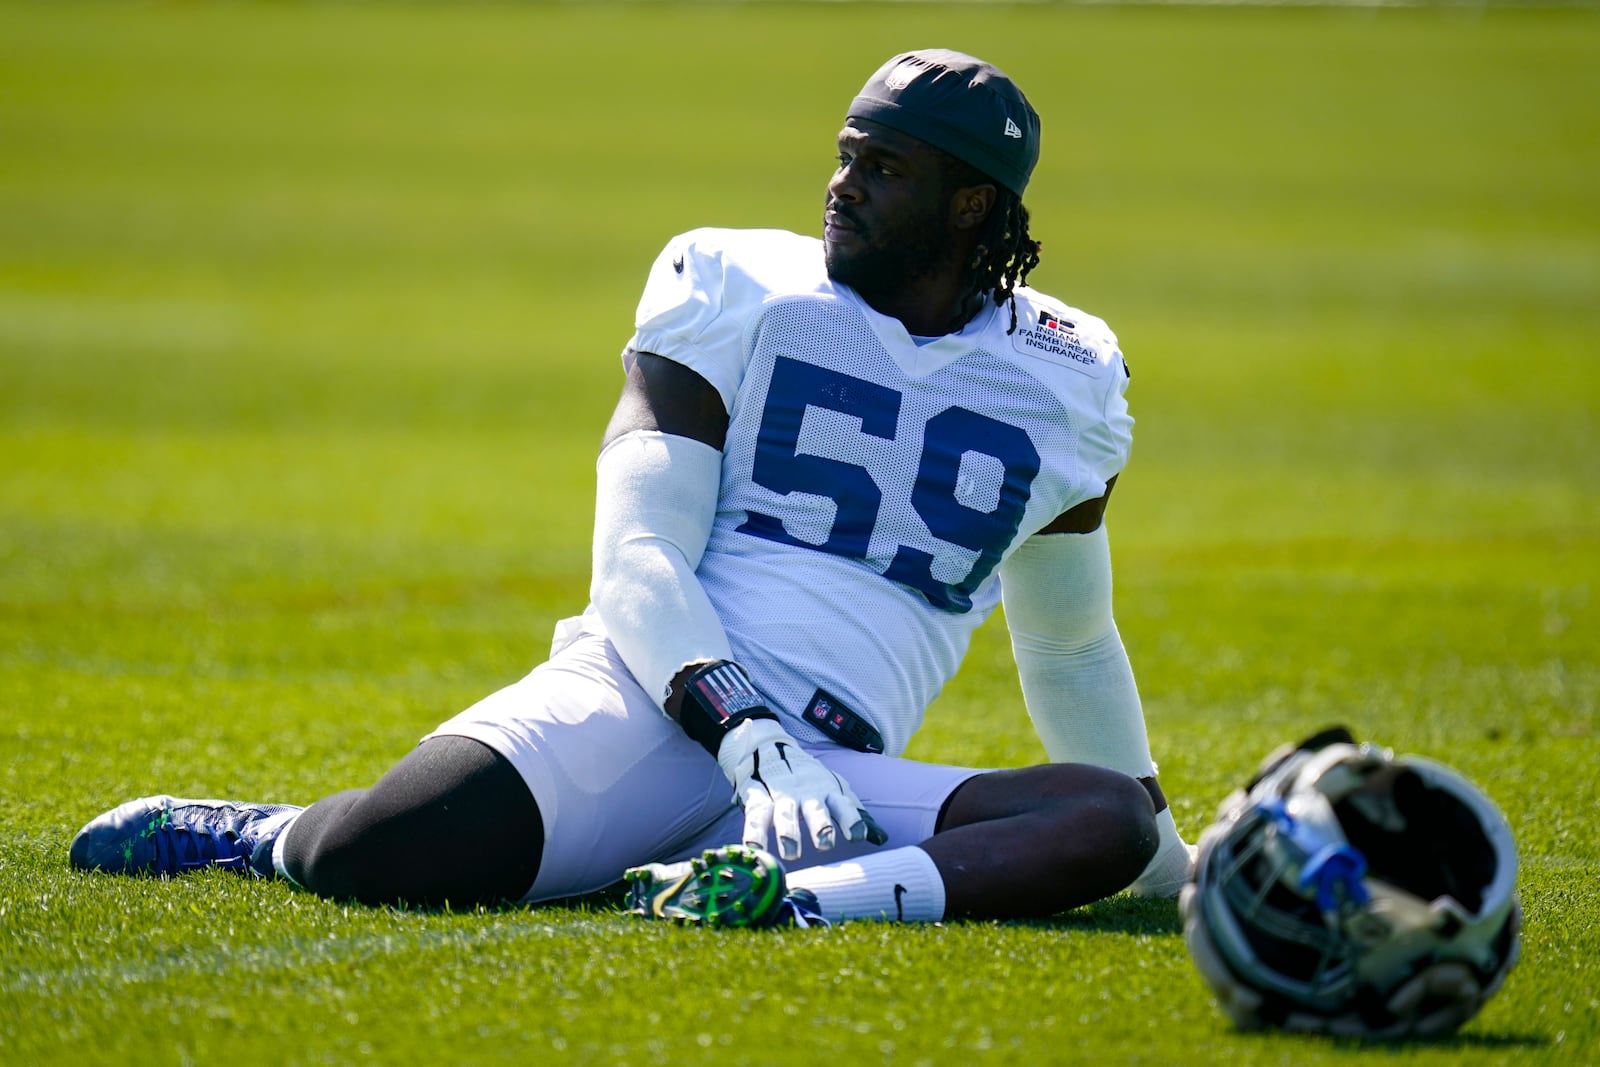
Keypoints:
pixel 957 103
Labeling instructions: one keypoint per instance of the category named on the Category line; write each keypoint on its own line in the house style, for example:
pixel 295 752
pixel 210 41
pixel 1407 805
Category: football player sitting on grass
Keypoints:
pixel 831 460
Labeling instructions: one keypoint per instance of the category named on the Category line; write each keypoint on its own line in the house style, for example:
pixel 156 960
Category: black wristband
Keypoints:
pixel 716 698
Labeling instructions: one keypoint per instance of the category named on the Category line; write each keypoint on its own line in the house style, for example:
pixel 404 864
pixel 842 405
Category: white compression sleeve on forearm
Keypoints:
pixel 656 497
pixel 1076 679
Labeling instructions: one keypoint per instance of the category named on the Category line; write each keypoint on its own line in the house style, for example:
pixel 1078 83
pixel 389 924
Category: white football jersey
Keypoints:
pixel 871 485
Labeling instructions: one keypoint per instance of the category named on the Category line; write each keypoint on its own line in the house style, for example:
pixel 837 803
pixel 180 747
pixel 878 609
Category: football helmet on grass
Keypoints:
pixel 1351 892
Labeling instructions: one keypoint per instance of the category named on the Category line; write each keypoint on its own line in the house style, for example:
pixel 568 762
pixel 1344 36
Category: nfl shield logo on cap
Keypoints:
pixel 903 75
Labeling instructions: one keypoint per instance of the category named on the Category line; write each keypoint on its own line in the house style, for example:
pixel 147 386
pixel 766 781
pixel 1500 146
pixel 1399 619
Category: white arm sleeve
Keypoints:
pixel 1076 679
pixel 655 501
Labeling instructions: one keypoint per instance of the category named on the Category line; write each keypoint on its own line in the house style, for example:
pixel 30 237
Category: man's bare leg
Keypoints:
pixel 1010 844
pixel 1040 840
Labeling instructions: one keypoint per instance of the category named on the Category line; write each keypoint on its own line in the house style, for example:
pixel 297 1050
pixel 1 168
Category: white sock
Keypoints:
pixel 1167 873
pixel 901 884
pixel 289 819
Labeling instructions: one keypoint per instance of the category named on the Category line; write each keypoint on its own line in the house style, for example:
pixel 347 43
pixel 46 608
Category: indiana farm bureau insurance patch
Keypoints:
pixel 1052 337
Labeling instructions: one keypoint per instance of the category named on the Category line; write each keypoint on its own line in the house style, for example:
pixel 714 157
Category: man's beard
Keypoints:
pixel 891 258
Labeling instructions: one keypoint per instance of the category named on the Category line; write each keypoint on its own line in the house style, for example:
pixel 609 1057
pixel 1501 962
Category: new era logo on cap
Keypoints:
pixel 1013 130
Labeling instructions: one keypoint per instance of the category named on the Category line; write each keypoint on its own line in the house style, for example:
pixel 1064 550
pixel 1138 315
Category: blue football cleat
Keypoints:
pixel 722 887
pixel 164 835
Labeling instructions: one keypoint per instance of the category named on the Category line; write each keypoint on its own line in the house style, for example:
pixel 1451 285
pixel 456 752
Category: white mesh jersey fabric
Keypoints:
pixel 871 486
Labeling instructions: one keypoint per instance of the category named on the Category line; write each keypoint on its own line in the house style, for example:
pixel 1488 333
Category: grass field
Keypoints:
pixel 308 327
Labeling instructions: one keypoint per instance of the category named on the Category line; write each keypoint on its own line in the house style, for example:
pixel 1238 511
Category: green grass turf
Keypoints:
pixel 308 325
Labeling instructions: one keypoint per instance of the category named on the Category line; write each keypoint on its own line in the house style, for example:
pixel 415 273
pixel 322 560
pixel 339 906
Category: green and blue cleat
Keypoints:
pixel 732 886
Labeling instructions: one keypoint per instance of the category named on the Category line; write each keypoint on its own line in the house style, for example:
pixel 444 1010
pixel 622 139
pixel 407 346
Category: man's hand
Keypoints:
pixel 777 783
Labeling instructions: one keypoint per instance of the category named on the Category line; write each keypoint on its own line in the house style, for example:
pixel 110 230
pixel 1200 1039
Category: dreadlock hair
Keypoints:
pixel 1005 253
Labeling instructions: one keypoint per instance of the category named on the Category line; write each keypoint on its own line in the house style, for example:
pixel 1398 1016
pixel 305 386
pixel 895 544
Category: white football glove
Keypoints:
pixel 777 782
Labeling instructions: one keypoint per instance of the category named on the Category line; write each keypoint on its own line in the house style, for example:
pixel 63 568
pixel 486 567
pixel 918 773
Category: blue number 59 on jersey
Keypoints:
pixel 971 485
